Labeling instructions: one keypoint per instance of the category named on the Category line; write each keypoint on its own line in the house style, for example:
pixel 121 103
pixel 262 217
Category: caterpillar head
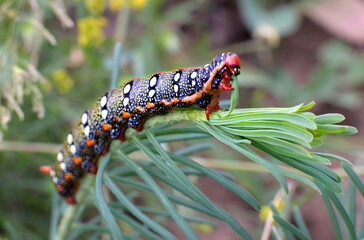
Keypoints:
pixel 227 65
pixel 232 63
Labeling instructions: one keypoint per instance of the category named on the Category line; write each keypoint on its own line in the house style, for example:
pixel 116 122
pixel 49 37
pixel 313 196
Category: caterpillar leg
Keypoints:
pixel 70 199
pixel 210 108
pixel 93 169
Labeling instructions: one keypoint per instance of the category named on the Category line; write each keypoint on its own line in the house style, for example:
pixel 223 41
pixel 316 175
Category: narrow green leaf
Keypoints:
pixel 176 130
pixel 203 199
pixel 140 228
pixel 182 137
pixel 299 178
pixel 289 128
pixel 268 133
pixel 115 65
pixel 187 218
pixel 290 227
pixel 172 197
pixel 313 169
pixel 333 156
pixel 55 215
pixel 91 227
pixel 345 216
pixel 284 148
pixel 245 195
pixel 77 233
pixel 250 154
pixel 354 177
pixel 329 118
pixel 199 197
pixel 331 210
pixel 139 214
pixel 289 117
pixel 104 208
pixel 287 225
pixel 352 203
pixel 331 129
pixel 300 222
pixel 191 149
pixel 306 107
pixel 361 228
pixel 187 230
pixel 308 115
pixel 234 95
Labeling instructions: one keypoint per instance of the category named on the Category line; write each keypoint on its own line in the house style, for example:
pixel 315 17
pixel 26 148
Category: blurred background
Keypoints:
pixel 55 61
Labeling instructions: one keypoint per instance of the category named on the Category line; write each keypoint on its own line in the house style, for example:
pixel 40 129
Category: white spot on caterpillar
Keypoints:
pixel 84 118
pixel 177 76
pixel 103 101
pixel 69 138
pixel 175 88
pixel 127 88
pixel 125 102
pixel 60 157
pixel 193 74
pixel 52 173
pixel 63 166
pixel 104 114
pixel 55 180
pixel 87 131
pixel 73 149
pixel 151 93
pixel 153 81
pixel 193 83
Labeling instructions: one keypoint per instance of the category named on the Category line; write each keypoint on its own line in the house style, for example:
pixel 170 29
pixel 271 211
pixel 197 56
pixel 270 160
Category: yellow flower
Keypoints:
pixel 95 6
pixel 115 5
pixel 138 4
pixel 62 80
pixel 265 210
pixel 90 31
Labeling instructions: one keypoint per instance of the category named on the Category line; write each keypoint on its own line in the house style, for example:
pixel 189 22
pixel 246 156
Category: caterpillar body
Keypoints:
pixel 130 105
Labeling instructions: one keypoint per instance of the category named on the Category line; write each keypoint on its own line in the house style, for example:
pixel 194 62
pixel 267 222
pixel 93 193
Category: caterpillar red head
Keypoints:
pixel 233 63
pixel 129 106
pixel 223 67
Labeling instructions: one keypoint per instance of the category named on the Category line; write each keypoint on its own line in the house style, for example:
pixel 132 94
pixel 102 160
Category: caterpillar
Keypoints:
pixel 130 105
